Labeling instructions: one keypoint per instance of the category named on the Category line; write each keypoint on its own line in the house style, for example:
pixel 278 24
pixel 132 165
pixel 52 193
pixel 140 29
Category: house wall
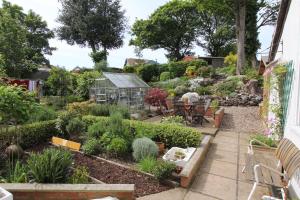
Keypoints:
pixel 291 52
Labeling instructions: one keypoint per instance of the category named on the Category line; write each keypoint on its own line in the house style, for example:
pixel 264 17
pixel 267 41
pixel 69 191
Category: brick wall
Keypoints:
pixel 219 117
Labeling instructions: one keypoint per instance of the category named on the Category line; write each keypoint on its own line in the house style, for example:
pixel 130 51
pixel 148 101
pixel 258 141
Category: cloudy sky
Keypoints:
pixel 72 56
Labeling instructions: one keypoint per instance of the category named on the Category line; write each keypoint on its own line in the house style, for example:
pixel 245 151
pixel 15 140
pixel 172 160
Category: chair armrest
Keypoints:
pixel 269 168
pixel 250 149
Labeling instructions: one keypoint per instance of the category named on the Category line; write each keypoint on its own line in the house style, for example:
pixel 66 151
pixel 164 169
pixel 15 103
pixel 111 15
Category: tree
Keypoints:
pixel 23 40
pixel 240 32
pixel 173 27
pixel 217 28
pixel 93 23
pixel 156 97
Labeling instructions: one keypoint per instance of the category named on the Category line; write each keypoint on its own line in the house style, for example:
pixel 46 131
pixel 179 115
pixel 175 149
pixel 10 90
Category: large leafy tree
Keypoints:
pixel 93 23
pixel 173 27
pixel 217 28
pixel 23 40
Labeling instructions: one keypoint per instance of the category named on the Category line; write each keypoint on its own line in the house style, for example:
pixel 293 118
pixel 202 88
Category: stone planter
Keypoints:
pixel 5 195
pixel 263 148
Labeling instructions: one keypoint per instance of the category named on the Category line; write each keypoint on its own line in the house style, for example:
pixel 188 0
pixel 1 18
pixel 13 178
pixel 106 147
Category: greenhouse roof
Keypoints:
pixel 125 80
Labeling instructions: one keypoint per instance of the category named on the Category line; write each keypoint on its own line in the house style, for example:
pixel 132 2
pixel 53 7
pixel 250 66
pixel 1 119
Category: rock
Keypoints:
pixel 252 87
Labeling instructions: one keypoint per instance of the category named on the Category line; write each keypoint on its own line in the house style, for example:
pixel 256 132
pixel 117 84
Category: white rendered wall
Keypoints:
pixel 291 52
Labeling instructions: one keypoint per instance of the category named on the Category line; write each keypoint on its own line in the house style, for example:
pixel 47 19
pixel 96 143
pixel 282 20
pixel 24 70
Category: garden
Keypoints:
pixel 115 149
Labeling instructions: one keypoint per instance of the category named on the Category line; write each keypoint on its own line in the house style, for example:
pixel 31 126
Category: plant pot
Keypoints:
pixel 161 147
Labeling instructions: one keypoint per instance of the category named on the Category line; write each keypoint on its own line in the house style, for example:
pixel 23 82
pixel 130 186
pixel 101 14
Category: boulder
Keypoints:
pixel 252 87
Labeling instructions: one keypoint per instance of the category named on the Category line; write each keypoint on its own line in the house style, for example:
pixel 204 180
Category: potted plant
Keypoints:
pixel 160 144
pixel 179 155
pixel 214 106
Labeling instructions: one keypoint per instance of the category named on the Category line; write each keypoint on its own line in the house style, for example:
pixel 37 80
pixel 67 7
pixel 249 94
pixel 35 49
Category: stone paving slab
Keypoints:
pixel 221 155
pixel 197 196
pixel 224 169
pixel 226 140
pixel 224 147
pixel 174 194
pixel 245 188
pixel 216 186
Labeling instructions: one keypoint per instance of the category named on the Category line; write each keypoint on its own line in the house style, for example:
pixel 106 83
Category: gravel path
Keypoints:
pixel 242 119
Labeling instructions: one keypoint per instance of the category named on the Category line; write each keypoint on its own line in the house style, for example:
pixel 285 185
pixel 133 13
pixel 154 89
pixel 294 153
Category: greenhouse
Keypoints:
pixel 119 88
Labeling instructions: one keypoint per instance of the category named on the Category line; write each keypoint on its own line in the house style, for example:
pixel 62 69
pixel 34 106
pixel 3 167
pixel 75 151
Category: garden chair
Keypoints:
pixel 276 178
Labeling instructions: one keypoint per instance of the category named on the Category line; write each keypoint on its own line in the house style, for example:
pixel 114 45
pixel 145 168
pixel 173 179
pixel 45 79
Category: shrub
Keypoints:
pixel 50 166
pixel 16 104
pixel 165 76
pixel 163 170
pixel 204 90
pixel 42 113
pixel 178 120
pixel 180 90
pixel 264 139
pixel 81 108
pixel 206 72
pixel 100 110
pixel 124 111
pixel 177 69
pixel 148 72
pixel 73 98
pixel 226 88
pixel 147 164
pixel 76 126
pixel 96 130
pixel 57 102
pixel 17 174
pixel 156 97
pixel 214 106
pixel 63 120
pixel 144 147
pixel 171 135
pixel 91 147
pixel 130 69
pixel 117 146
pixel 79 176
pixel 106 110
pixel 31 134
pixel 231 59
pixel 191 71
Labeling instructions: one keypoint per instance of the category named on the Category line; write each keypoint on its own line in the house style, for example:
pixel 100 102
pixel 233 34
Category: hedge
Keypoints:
pixel 30 134
pixel 170 134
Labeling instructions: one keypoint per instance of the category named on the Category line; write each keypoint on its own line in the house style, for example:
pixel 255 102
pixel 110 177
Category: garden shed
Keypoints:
pixel 119 88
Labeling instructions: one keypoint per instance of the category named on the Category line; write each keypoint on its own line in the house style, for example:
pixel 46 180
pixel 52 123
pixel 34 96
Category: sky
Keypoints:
pixel 71 56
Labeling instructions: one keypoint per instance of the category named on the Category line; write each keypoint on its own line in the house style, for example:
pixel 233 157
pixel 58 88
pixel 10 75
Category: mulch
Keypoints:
pixel 113 174
pixel 110 173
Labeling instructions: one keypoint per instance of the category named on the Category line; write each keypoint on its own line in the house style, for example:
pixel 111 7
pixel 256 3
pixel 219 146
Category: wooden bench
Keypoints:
pixel 266 170
pixel 66 143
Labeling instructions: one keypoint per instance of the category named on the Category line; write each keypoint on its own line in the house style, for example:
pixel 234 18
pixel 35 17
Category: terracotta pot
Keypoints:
pixel 161 147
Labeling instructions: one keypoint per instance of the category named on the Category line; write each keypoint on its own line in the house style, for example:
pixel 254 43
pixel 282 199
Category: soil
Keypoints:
pixel 113 174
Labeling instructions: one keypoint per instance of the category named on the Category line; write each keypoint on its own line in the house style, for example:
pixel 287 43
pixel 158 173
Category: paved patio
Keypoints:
pixel 220 177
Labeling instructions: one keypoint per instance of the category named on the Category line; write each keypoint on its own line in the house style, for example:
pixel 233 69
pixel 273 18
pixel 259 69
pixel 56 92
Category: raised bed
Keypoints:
pixel 189 171
pixel 28 191
pixel 110 172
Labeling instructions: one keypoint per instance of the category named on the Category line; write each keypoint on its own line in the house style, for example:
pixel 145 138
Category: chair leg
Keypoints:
pixel 252 191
